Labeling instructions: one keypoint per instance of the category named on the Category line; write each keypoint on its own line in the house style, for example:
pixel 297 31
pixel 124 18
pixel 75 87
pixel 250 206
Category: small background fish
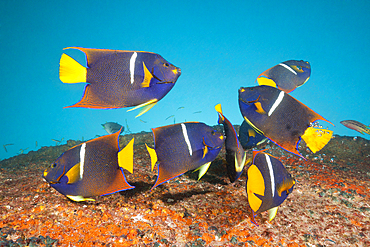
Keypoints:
pixel 355 125
pixel 112 127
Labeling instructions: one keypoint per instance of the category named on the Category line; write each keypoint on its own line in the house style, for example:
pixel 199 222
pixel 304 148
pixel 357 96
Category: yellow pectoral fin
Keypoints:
pixel 266 81
pixel 253 126
pixel 272 213
pixel 79 198
pixel 316 138
pixel 126 157
pixel 147 77
pixel 73 174
pixel 146 107
pixel 153 156
pixel 285 185
pixel 205 151
pixel 70 71
pixel 202 170
pixel 251 133
pixel 259 110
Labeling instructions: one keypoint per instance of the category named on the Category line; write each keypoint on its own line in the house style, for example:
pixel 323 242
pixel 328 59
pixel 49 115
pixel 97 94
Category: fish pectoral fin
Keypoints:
pixel 272 213
pixel 126 157
pixel 253 126
pixel 285 185
pixel 316 138
pixel 153 156
pixel 259 109
pixel 70 71
pixel 202 170
pixel 266 81
pixel 79 198
pixel 147 77
pixel 73 174
pixel 146 107
pixel 205 151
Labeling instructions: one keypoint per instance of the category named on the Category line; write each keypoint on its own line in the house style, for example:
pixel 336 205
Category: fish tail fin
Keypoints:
pixel 153 156
pixel 70 71
pixel 316 139
pixel 202 170
pixel 126 157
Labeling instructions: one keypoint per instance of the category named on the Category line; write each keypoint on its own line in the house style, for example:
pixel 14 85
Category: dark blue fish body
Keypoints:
pixel 248 137
pixel 92 168
pixel 179 148
pixel 281 118
pixel 268 183
pixel 287 75
pixel 235 154
pixel 119 79
pixel 112 127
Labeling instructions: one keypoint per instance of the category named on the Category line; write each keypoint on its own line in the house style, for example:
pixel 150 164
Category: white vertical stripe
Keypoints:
pixel 132 66
pixel 288 68
pixel 186 137
pixel 272 179
pixel 277 102
pixel 82 159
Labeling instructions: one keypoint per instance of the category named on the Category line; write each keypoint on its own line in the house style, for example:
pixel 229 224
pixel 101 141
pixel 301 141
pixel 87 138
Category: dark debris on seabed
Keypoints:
pixel 329 205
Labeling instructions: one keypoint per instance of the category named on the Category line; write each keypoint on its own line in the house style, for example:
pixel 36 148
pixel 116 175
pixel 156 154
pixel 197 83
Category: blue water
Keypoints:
pixel 219 47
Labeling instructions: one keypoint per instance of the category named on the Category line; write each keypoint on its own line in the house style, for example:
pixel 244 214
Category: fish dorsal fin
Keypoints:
pixel 259 109
pixel 70 71
pixel 147 77
pixel 285 185
pixel 272 213
pixel 79 198
pixel 221 117
pixel 73 174
pixel 92 55
pixel 146 107
pixel 153 156
pixel 126 157
pixel 266 81
pixel 316 138
pixel 202 170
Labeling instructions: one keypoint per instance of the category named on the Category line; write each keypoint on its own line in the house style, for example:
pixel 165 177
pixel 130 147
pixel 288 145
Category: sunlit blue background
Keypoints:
pixel 219 45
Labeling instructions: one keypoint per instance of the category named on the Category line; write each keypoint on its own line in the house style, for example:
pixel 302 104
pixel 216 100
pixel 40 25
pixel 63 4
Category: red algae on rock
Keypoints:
pixel 328 207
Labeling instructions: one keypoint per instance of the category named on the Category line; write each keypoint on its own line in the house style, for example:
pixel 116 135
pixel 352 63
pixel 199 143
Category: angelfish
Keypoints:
pixel 286 76
pixel 235 154
pixel 117 79
pixel 268 184
pixel 281 118
pixel 182 147
pixel 93 168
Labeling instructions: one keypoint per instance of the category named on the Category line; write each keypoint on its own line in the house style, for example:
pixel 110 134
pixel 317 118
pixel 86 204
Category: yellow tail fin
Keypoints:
pixel 316 139
pixel 126 157
pixel 70 71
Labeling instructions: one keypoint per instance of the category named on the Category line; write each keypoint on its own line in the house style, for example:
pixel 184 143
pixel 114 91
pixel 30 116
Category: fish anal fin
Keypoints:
pixel 89 100
pixel 147 77
pixel 119 183
pixel 272 213
pixel 316 138
pixel 153 156
pixel 146 107
pixel 79 198
pixel 202 170
pixel 240 165
pixel 266 81
pixel 126 157
pixel 73 174
pixel 70 71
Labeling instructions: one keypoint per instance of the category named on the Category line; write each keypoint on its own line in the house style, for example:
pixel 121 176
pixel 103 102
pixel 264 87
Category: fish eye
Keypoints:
pixel 166 65
pixel 213 133
pixel 53 165
pixel 299 67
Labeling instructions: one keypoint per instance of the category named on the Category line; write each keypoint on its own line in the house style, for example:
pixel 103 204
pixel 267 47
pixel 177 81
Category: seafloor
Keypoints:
pixel 330 204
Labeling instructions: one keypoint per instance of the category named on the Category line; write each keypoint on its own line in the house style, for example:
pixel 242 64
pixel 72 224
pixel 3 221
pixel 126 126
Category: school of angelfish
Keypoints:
pixel 118 79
